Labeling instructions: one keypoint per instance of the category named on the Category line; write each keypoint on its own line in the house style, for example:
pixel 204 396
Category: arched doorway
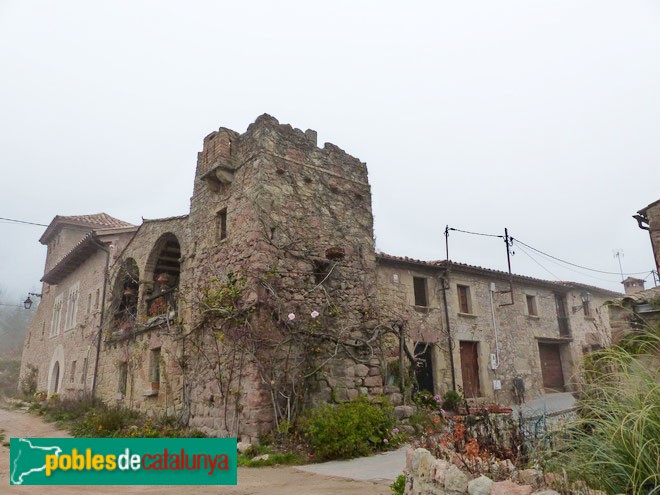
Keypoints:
pixel 55 381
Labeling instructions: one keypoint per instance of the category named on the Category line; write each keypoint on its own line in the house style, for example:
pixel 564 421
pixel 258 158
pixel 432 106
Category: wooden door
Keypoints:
pixel 553 376
pixel 470 369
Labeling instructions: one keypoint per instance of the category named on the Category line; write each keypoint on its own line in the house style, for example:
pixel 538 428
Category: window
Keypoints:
pixel 154 366
pixel 89 302
pixel 123 378
pixel 72 307
pixel 464 302
pixel 419 287
pixel 73 371
pixel 57 316
pixel 531 305
pixel 586 308
pixel 222 224
pixel 43 329
pixel 395 278
pixel 96 299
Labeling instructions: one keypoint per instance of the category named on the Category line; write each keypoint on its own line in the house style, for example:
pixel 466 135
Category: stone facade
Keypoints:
pixel 507 336
pixel 649 219
pixel 62 339
pixel 269 297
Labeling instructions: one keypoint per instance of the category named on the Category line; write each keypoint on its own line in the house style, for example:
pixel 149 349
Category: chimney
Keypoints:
pixel 633 285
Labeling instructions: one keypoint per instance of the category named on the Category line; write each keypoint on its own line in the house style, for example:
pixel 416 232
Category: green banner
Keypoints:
pixel 123 461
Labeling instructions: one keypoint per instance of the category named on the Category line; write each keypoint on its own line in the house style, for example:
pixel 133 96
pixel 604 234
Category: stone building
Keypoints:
pixel 511 339
pixel 649 219
pixel 269 297
pixel 639 310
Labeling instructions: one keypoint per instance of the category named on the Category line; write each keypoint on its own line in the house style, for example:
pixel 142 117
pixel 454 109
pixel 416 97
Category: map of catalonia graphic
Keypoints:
pixel 30 459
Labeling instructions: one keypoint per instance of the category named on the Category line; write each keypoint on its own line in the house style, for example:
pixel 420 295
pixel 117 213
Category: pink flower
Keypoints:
pixel 315 314
pixel 292 316
pixel 385 440
pixel 395 431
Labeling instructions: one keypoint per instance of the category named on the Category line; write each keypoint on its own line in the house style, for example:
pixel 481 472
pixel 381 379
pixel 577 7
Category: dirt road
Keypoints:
pixel 254 481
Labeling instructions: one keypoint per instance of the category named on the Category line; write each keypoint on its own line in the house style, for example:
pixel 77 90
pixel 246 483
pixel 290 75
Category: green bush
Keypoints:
pixel 95 419
pixel 615 443
pixel 105 422
pixel 349 429
pixel 451 401
pixel 427 400
pixel 399 485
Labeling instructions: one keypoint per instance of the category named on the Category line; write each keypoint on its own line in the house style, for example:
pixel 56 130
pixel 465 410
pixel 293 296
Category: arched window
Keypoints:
pixel 164 269
pixel 125 293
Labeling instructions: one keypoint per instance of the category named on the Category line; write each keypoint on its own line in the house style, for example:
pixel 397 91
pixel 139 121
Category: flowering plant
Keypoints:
pixel 158 307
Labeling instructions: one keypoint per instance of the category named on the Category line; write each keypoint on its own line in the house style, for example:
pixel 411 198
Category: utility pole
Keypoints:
pixel 618 254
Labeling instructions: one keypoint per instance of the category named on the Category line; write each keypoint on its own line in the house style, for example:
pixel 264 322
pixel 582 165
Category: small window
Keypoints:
pixel 531 305
pixel 97 298
pixel 419 286
pixel 586 308
pixel 464 302
pixel 89 302
pixel 395 278
pixel 222 224
pixel 123 378
pixel 73 371
pixel 154 366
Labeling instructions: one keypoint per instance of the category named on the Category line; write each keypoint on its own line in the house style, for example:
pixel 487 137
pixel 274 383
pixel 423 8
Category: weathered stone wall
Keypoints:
pixel 653 215
pixel 518 332
pixel 77 343
pixel 287 226
pixel 286 201
pixel 137 346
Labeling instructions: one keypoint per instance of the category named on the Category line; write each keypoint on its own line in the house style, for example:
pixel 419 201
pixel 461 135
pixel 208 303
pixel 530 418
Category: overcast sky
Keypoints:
pixel 541 116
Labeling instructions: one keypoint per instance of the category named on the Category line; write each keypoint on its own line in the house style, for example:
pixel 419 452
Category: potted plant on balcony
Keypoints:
pixel 158 307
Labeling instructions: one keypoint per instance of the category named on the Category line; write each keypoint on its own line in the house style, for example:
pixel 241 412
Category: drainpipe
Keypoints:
pixel 492 313
pixel 450 343
pixel 100 332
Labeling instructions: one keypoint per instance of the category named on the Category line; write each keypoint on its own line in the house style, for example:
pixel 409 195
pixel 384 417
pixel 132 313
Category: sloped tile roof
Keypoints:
pixel 384 257
pixel 95 221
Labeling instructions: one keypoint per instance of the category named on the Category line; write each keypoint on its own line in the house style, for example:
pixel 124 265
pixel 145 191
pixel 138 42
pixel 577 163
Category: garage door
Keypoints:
pixel 553 377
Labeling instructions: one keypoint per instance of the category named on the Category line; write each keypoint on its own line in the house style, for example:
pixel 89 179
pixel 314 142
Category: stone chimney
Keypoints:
pixel 633 285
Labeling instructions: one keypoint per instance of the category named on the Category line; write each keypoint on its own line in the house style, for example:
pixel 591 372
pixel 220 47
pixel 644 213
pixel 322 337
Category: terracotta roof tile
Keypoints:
pixel 97 220
pixel 474 268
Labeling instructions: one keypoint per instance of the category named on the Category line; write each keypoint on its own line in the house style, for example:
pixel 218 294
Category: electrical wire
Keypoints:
pixel 564 267
pixel 475 233
pixel 535 261
pixel 23 222
pixel 573 264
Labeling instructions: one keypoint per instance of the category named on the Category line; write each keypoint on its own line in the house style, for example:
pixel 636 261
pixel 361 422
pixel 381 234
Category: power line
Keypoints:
pixel 23 222
pixel 573 264
pixel 535 261
pixel 564 267
pixel 476 233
